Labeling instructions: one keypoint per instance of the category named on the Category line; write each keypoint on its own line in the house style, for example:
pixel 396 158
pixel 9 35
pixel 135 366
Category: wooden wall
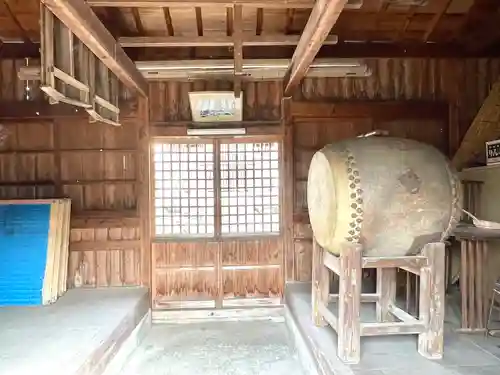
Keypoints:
pixel 104 184
pixel 169 101
pixel 93 164
pixel 463 84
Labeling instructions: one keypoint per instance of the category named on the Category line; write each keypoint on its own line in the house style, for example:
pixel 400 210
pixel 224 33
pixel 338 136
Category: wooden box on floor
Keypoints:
pixel 391 320
pixel 57 248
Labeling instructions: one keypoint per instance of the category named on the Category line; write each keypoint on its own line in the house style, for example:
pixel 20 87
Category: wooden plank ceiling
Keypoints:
pixel 167 29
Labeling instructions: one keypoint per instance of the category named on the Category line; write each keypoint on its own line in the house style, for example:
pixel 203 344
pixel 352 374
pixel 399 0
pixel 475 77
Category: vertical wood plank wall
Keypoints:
pixel 93 164
pixel 106 244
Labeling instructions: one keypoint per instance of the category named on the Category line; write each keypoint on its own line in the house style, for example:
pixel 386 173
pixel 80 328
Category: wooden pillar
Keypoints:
pixel 386 291
pixel 288 196
pixel 432 301
pixel 463 283
pixel 349 343
pixel 484 280
pixel 320 285
pixel 143 177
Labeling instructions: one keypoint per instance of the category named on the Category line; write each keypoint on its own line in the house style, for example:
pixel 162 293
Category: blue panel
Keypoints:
pixel 24 232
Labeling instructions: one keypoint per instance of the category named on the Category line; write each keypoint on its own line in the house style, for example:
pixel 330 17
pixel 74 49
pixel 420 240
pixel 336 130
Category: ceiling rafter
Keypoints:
pixel 168 21
pixel 444 5
pixel 323 16
pixel 247 39
pixel 411 14
pixel 138 21
pixel 20 27
pixel 260 21
pixel 290 15
pixel 478 12
pixel 199 20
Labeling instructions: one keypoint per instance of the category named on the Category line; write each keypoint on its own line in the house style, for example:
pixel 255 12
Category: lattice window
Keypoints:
pixel 249 188
pixel 184 189
pixel 195 197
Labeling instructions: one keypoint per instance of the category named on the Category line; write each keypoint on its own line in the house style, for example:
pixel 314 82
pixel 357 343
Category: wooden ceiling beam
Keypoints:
pixel 199 21
pixel 411 13
pixel 485 127
pixel 238 49
pixel 229 21
pixel 138 21
pixel 290 14
pixel 82 21
pixel 276 4
pixel 27 110
pixel 260 21
pixel 340 50
pixel 444 5
pixel 248 39
pixel 168 21
pixel 323 16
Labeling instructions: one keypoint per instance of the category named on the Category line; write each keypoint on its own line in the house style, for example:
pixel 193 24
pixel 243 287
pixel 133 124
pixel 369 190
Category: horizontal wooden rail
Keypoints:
pixel 365 297
pixel 377 110
pixel 105 245
pixel 391 328
pixel 394 262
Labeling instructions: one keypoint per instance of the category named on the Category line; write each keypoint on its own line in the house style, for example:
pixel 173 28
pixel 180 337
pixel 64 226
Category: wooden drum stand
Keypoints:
pixel 391 320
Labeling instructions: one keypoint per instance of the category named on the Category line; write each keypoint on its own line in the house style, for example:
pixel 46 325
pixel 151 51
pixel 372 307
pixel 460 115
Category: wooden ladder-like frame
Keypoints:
pixel 391 320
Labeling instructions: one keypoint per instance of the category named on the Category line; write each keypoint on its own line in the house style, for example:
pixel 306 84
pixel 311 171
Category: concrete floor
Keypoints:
pixel 73 336
pixel 215 348
pixel 385 355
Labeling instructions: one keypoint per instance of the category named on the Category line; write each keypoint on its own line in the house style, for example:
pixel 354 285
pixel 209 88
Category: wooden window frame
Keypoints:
pixel 216 141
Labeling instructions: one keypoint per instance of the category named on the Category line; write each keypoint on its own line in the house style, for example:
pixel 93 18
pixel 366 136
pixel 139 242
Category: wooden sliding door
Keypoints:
pixel 216 222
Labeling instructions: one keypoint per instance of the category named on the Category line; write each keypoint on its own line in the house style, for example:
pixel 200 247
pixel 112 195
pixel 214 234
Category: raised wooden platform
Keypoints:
pixel 79 334
pixel 384 355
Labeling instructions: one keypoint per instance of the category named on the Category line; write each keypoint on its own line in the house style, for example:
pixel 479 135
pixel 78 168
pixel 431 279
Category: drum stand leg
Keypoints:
pixel 350 273
pixel 432 300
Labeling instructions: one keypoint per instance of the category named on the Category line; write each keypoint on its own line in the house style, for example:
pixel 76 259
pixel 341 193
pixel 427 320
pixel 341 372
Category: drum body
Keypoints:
pixel 391 195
